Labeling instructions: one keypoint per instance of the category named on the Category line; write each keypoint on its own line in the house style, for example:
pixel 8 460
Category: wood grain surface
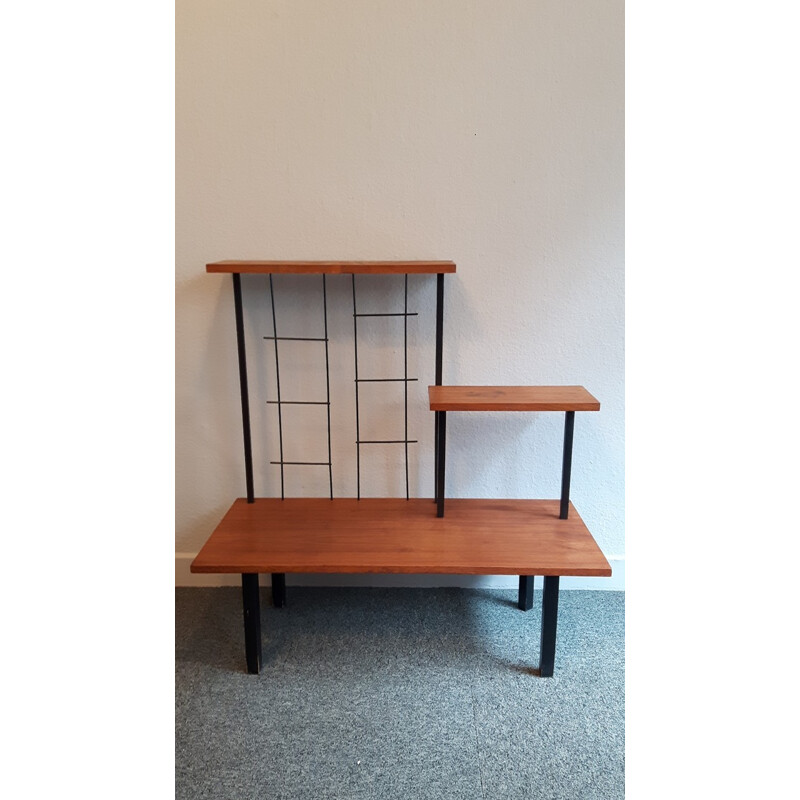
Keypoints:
pixel 333 267
pixel 475 537
pixel 511 398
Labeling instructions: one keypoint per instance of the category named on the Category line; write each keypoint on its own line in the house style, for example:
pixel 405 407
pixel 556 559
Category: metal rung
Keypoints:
pixel 304 463
pixel 387 441
pixel 299 402
pixel 399 314
pixel 295 339
pixel 385 380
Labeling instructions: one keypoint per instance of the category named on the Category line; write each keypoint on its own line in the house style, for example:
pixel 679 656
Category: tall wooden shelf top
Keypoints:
pixel 333 267
pixel 511 398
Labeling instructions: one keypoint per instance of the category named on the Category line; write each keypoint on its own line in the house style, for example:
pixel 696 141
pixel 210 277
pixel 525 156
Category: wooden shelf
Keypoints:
pixel 476 537
pixel 333 267
pixel 511 398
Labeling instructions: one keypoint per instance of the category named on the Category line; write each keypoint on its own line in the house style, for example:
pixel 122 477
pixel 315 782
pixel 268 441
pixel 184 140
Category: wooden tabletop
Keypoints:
pixel 511 398
pixel 475 537
pixel 333 267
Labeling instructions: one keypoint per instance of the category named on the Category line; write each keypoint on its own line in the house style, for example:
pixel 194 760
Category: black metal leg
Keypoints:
pixel 525 601
pixel 440 463
pixel 547 650
pixel 278 589
pixel 251 602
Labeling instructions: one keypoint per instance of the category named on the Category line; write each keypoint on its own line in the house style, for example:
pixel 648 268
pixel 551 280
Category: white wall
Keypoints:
pixel 489 133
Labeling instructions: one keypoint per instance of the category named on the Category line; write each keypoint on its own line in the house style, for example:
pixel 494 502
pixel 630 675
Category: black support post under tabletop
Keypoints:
pixel 248 449
pixel 251 602
pixel 435 456
pixel 355 363
pixel 438 378
pixel 327 381
pixel 278 589
pixel 525 599
pixel 439 325
pixel 547 650
pixel 566 469
pixel 441 435
pixel 405 375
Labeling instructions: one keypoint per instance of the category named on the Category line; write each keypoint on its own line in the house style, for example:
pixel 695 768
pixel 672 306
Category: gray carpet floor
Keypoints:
pixel 399 693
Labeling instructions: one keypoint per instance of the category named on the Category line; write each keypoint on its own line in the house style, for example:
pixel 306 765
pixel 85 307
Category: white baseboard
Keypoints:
pixel 615 583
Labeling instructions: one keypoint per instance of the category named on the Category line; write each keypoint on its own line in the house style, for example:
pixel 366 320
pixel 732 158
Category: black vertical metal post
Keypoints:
pixel 358 429
pixel 441 437
pixel 277 577
pixel 251 602
pixel 566 469
pixel 327 380
pixel 547 649
pixel 405 374
pixel 438 377
pixel 436 456
pixel 525 599
pixel 278 589
pixel 248 449
pixel 439 325
pixel 277 377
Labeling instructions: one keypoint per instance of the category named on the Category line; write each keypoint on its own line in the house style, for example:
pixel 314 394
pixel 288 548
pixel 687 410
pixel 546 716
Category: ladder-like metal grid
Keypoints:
pixel 280 402
pixel 243 385
pixel 405 441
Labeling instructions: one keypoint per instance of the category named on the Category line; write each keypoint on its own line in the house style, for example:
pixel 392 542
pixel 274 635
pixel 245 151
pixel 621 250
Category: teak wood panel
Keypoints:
pixel 475 537
pixel 511 398
pixel 333 267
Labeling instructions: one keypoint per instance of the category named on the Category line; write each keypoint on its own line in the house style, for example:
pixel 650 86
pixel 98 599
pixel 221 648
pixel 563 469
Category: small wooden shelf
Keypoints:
pixel 333 267
pixel 380 535
pixel 511 398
